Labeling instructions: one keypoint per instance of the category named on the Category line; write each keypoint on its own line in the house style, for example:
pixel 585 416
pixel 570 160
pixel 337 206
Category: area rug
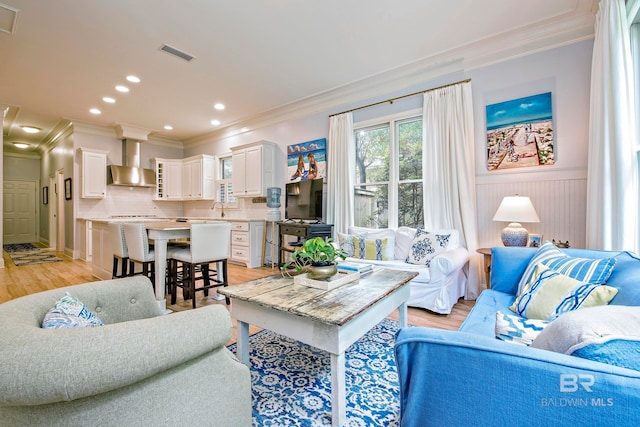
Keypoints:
pixel 38 256
pixel 20 247
pixel 291 381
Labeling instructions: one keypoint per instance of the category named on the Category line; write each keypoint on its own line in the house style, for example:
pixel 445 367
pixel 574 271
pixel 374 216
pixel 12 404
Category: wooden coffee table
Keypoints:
pixel 328 320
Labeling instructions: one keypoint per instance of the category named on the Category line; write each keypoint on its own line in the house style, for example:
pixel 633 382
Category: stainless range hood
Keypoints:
pixel 130 174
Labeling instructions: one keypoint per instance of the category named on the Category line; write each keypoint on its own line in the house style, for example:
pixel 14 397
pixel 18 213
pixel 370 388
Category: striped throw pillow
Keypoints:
pixel 371 249
pixel 549 294
pixel 592 271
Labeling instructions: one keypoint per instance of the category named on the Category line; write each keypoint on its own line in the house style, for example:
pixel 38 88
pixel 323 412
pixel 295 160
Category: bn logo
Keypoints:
pixel 570 383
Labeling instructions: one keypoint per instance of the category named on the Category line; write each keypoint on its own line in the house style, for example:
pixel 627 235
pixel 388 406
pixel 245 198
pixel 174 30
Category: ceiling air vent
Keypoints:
pixel 175 52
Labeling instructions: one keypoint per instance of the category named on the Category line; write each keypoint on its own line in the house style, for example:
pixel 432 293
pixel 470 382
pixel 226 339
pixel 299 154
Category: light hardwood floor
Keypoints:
pixel 19 281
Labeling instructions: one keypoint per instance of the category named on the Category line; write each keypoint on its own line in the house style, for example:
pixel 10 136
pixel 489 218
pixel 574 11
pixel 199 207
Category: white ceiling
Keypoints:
pixel 258 57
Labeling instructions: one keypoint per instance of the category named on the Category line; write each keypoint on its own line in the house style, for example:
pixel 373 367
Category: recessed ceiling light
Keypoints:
pixel 21 145
pixel 95 111
pixel 121 88
pixel 30 129
pixel 215 122
pixel 168 127
pixel 133 79
pixel 219 106
pixel 109 100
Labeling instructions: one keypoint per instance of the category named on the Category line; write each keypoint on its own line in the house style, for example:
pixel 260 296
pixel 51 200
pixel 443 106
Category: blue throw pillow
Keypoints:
pixel 587 270
pixel 69 312
pixel 518 330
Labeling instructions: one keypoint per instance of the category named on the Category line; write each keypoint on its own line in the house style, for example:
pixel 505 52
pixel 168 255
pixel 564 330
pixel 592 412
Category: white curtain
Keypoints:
pixel 341 160
pixel 612 193
pixel 449 170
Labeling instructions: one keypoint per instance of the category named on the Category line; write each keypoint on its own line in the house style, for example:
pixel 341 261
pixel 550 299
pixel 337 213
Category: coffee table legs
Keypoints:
pixel 402 311
pixel 243 343
pixel 338 390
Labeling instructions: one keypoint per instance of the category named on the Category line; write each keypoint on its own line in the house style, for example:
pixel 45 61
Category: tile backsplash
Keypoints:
pixel 127 201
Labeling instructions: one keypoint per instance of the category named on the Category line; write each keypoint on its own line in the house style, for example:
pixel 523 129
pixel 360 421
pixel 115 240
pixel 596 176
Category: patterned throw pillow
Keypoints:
pixel 345 241
pixel 518 330
pixel 372 249
pixel 550 294
pixel 593 271
pixel 425 246
pixel 69 312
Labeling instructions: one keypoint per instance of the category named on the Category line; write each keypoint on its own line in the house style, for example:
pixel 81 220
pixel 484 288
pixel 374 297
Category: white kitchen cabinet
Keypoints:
pixel 246 242
pixel 198 178
pixel 94 174
pixel 168 179
pixel 254 168
pixel 192 178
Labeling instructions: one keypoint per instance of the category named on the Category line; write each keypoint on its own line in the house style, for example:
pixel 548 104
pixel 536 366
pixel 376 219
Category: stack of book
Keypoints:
pixel 352 267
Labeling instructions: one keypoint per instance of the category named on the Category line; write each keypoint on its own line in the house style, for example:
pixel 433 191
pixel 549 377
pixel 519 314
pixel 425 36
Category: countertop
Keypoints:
pixel 159 219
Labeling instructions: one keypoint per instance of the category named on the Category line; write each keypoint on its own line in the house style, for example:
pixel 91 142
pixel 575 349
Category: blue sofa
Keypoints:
pixel 470 378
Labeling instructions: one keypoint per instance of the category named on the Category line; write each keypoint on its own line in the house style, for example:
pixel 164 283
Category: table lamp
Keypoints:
pixel 515 209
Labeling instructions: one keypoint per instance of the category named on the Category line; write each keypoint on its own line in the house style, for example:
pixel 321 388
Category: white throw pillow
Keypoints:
pixel 426 246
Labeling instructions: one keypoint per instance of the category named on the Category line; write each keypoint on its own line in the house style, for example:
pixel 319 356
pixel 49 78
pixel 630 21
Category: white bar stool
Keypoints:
pixel 120 251
pixel 209 244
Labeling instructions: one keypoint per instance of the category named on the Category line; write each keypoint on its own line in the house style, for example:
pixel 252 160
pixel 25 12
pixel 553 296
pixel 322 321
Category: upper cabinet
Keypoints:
pixel 253 168
pixel 168 179
pixel 192 178
pixel 198 178
pixel 94 173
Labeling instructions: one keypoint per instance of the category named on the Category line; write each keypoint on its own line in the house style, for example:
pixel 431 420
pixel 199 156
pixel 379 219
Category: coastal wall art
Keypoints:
pixel 307 160
pixel 520 133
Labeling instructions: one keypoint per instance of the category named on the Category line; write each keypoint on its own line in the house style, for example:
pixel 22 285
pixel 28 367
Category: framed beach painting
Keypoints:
pixel 520 133
pixel 307 160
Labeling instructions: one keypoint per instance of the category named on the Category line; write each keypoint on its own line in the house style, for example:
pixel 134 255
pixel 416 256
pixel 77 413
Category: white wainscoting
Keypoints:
pixel 561 206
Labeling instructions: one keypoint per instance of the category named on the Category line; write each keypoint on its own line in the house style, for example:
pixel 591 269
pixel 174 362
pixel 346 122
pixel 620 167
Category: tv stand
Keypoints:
pixel 303 231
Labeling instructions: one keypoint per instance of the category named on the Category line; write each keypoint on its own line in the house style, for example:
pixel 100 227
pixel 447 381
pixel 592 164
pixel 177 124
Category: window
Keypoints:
pixel 388 183
pixel 225 184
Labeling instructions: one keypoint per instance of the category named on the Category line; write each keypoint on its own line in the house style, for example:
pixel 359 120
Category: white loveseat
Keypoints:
pixel 437 286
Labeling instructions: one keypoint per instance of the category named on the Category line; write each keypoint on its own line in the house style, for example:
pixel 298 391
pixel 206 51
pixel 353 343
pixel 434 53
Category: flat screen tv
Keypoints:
pixel 304 200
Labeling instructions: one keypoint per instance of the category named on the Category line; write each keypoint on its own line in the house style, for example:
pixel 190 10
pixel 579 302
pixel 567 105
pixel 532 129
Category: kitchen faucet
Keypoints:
pixel 214 207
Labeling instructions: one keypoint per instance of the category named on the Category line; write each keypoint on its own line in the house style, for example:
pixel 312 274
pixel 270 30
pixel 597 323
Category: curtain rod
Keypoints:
pixel 400 97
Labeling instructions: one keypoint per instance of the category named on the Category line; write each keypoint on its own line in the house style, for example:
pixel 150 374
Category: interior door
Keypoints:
pixel 19 212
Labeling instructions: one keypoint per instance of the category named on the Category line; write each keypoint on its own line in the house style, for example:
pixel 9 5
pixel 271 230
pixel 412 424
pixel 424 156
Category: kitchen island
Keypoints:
pixel 247 237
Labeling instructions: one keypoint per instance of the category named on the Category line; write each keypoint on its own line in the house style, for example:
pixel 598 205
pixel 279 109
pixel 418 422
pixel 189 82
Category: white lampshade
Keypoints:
pixel 516 209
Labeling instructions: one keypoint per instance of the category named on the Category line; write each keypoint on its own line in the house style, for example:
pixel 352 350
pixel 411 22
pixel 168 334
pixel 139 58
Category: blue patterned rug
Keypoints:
pixel 28 254
pixel 291 382
pixel 20 247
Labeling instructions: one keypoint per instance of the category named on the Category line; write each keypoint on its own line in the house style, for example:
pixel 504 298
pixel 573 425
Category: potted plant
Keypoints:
pixel 317 256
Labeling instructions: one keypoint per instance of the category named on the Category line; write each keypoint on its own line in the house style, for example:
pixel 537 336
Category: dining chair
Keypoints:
pixel 140 251
pixel 209 243
pixel 120 250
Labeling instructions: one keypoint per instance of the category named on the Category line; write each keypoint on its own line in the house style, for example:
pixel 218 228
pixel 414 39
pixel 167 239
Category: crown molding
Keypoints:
pixel 561 30
pixel 111 132
pixel 32 156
